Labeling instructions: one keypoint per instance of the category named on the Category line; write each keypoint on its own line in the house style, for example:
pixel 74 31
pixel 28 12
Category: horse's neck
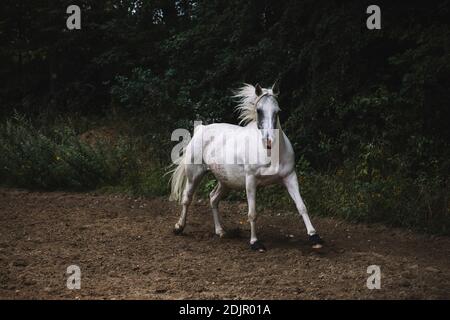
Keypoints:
pixel 279 124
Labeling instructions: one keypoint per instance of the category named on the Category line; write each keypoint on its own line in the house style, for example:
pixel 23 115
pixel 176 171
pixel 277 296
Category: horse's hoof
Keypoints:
pixel 258 246
pixel 177 230
pixel 221 234
pixel 316 241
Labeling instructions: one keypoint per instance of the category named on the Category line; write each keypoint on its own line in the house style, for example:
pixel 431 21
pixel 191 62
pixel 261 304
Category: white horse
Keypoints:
pixel 226 149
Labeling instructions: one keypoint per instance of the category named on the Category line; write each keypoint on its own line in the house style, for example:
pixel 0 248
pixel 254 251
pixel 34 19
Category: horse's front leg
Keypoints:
pixel 250 188
pixel 291 184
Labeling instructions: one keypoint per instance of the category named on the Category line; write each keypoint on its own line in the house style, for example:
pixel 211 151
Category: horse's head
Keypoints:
pixel 267 113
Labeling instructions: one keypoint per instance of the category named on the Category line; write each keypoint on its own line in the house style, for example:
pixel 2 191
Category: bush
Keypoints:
pixel 58 159
pixel 420 204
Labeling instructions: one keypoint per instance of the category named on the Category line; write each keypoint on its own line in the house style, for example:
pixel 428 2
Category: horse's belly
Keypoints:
pixel 233 176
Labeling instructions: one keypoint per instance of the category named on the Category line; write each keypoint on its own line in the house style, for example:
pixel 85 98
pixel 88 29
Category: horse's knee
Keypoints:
pixel 302 210
pixel 252 216
pixel 187 199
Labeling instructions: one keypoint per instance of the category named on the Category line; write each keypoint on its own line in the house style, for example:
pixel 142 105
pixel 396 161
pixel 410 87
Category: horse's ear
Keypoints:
pixel 258 90
pixel 276 88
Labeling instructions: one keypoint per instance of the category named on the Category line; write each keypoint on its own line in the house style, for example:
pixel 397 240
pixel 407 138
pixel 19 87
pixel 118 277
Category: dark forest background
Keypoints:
pixel 367 110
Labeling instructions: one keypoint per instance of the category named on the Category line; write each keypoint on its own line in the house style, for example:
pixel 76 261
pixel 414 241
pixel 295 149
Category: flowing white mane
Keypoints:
pixel 246 97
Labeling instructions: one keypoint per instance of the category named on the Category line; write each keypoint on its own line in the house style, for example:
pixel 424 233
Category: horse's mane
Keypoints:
pixel 246 98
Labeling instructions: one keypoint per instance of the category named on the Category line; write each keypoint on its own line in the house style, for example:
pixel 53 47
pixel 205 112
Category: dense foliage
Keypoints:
pixel 366 110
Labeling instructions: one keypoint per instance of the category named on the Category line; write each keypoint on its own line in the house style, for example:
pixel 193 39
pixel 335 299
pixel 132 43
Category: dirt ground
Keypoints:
pixel 125 249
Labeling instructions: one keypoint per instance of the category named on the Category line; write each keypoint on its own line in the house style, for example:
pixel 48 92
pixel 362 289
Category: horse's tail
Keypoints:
pixel 178 180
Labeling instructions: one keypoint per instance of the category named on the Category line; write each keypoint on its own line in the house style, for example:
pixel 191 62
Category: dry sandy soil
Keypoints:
pixel 126 250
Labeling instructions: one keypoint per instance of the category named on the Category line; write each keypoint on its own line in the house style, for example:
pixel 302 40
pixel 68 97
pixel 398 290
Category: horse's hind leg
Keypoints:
pixel 215 196
pixel 194 175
